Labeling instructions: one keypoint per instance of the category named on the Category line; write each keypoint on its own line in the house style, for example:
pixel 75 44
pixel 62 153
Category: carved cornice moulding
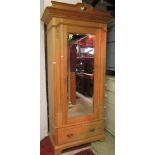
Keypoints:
pixel 80 11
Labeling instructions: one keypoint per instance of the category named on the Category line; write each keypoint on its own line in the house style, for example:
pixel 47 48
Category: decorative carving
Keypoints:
pixel 71 11
pixel 83 8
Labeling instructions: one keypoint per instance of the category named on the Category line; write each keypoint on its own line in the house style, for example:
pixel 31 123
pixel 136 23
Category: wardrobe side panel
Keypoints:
pixel 50 52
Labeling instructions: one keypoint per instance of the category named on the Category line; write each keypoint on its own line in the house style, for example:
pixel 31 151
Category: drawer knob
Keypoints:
pixel 92 130
pixel 69 135
pixel 105 95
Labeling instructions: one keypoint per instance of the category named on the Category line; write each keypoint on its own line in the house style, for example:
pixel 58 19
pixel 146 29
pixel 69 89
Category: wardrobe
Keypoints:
pixel 76 58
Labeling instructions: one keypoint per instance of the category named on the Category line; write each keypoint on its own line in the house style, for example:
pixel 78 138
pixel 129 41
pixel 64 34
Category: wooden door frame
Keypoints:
pixel 99 30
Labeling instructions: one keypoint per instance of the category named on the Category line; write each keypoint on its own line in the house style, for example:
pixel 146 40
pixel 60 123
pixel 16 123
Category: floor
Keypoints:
pixel 105 148
pixel 84 106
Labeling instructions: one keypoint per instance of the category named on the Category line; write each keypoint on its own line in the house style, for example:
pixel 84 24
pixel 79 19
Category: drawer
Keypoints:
pixel 109 97
pixel 78 132
pixel 110 85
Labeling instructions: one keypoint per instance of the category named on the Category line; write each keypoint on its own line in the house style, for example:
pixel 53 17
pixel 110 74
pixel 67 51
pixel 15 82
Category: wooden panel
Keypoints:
pixel 63 79
pixel 50 46
pixel 102 61
pixel 70 22
pixel 78 132
pixel 72 87
pixel 82 30
pixel 55 114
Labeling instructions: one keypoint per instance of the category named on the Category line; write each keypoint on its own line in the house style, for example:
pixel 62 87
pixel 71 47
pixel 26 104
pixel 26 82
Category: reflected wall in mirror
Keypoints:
pixel 80 79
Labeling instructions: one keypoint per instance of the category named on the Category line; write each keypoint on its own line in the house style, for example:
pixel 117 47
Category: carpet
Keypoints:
pixel 46 148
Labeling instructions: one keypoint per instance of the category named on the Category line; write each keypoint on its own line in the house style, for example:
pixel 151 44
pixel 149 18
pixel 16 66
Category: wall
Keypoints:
pixel 48 2
pixel 43 100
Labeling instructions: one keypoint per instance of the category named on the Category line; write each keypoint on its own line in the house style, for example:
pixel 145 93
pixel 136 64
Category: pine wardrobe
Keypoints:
pixel 76 55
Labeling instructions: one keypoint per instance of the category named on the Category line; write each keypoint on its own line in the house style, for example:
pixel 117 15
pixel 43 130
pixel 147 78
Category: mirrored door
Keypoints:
pixel 80 74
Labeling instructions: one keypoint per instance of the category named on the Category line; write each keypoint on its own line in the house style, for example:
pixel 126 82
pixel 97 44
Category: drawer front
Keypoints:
pixel 109 97
pixel 110 85
pixel 79 132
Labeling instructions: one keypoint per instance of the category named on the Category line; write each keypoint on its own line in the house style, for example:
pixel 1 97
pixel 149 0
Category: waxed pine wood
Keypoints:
pixel 60 20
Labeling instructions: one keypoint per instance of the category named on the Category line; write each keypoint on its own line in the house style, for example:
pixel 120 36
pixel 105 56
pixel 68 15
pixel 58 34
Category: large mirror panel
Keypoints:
pixel 80 74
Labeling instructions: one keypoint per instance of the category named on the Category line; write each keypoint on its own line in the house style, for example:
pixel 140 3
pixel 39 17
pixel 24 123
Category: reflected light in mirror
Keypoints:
pixel 80 80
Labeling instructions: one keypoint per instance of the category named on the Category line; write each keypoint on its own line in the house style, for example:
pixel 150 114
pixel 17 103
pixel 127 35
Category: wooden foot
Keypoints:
pixel 57 151
pixel 59 148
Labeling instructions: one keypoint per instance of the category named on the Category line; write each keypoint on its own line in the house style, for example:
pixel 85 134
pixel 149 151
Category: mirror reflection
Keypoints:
pixel 80 80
